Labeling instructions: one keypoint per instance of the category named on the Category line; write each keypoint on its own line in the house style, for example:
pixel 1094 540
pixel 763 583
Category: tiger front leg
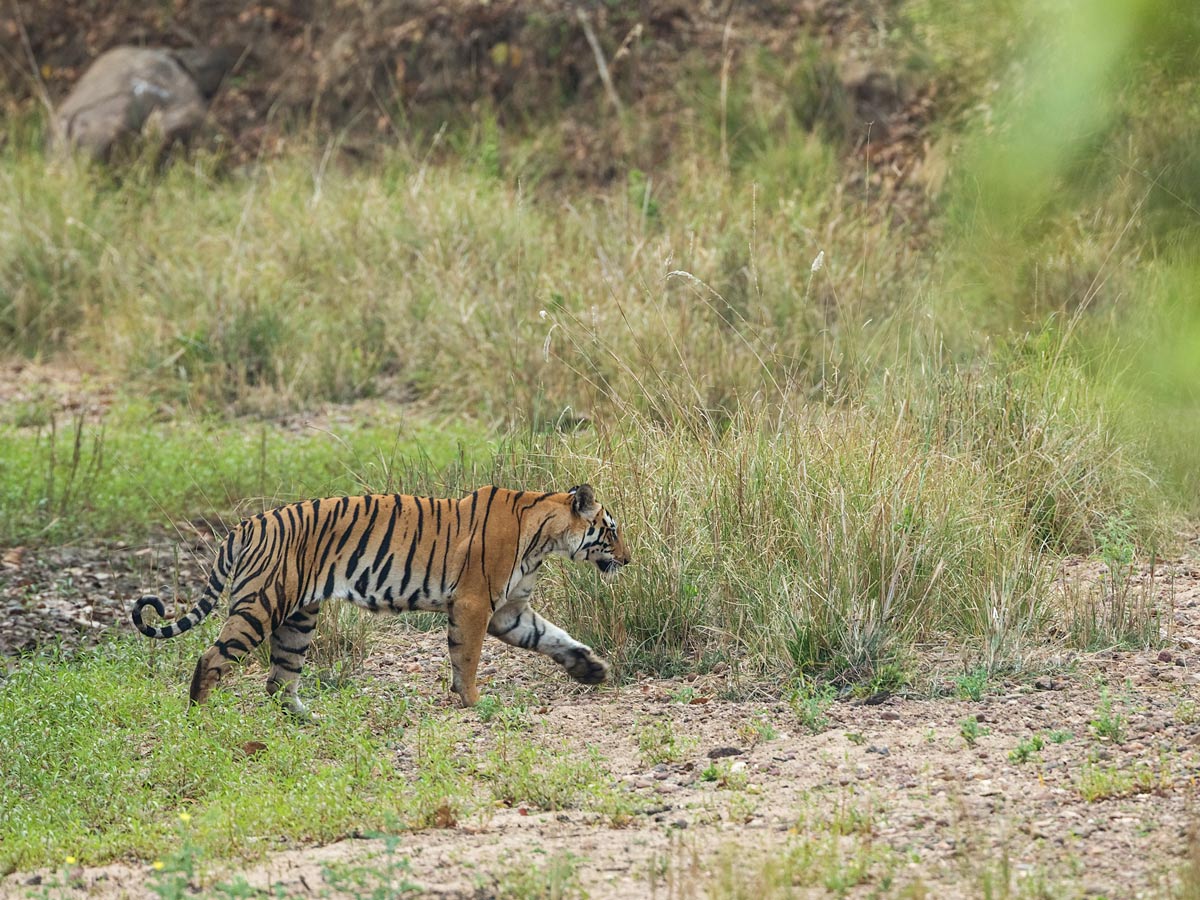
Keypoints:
pixel 468 626
pixel 289 644
pixel 520 626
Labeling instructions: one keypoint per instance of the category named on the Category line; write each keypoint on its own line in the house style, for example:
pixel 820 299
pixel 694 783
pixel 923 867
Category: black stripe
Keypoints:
pixel 348 529
pixel 363 583
pixel 513 626
pixel 412 547
pixel 385 571
pixel 361 547
pixel 252 619
pixel 386 543
pixel 487 514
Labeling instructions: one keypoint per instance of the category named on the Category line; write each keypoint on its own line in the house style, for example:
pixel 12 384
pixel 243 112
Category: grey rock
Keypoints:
pixel 132 92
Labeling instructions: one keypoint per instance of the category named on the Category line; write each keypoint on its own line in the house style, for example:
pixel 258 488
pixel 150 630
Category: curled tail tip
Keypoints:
pixel 157 605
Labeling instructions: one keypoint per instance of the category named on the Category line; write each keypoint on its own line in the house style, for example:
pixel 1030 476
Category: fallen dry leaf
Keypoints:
pixel 443 817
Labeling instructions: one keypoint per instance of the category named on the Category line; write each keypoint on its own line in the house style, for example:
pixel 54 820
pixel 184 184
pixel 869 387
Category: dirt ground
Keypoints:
pixel 926 811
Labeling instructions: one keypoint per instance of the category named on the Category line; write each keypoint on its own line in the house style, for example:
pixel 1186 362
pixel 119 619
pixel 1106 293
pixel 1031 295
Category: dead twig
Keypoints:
pixel 601 65
pixel 35 73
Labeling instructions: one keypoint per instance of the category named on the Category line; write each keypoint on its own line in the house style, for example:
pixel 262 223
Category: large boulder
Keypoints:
pixel 131 92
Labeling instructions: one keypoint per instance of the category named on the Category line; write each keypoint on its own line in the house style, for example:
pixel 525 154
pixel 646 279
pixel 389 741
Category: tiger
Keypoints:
pixel 474 558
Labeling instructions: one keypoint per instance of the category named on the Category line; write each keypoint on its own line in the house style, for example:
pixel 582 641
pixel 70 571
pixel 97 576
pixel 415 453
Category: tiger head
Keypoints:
pixel 593 536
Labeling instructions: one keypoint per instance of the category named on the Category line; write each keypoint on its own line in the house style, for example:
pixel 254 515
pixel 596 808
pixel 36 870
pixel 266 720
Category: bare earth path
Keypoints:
pixel 889 799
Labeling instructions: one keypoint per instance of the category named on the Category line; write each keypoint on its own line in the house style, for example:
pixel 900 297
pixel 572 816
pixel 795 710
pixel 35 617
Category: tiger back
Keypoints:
pixel 475 558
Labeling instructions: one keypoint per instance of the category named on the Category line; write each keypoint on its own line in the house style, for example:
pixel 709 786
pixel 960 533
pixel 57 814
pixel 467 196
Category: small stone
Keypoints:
pixel 1164 656
pixel 889 716
pixel 882 750
pixel 722 752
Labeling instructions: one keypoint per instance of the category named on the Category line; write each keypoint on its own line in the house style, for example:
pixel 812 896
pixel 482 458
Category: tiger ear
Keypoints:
pixel 583 501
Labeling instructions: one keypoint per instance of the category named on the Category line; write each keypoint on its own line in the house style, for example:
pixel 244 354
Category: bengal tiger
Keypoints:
pixel 475 558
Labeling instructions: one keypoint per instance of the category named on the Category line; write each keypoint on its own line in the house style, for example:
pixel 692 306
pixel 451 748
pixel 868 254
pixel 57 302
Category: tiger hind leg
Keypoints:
pixel 522 627
pixel 289 644
pixel 248 624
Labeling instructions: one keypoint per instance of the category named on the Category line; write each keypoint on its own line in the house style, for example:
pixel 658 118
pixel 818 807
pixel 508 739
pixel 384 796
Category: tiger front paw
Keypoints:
pixel 585 666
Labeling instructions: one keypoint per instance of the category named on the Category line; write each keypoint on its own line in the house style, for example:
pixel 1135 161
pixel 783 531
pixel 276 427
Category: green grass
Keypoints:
pixel 659 742
pixel 111 758
pixel 1026 748
pixel 971 685
pixel 555 878
pixel 971 731
pixel 810 702
pixel 1096 782
pixel 828 861
pixel 825 544
pixel 131 471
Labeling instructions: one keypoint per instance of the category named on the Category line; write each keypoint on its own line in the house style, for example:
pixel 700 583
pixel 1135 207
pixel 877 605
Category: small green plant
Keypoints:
pixel 173 877
pixel 1025 749
pixel 684 695
pixel 726 774
pixel 1186 712
pixel 641 197
pixel 658 742
pixel 849 818
pixel 513 716
pixel 1108 725
pixel 856 738
pixel 487 706
pixel 810 701
pixel 1059 737
pixel 971 685
pixel 1096 782
pixel 556 879
pixel 1116 547
pixel 757 730
pixel 383 877
pixel 970 730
